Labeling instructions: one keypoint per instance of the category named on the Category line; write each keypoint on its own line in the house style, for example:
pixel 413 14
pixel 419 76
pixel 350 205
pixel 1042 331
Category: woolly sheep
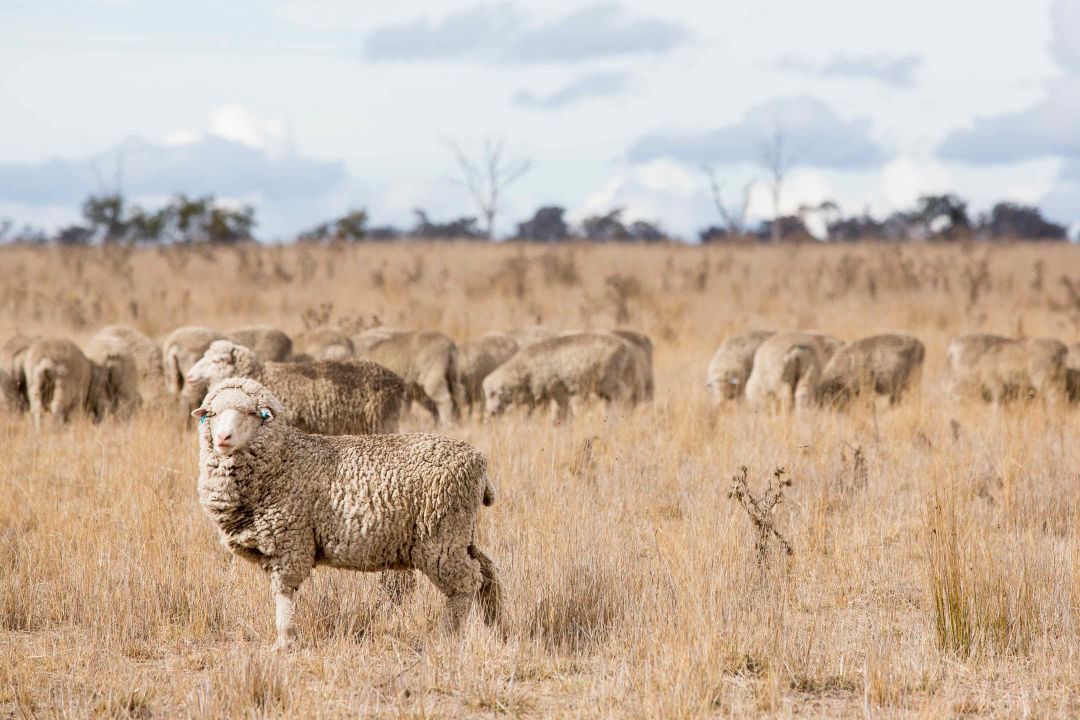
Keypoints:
pixel 180 350
pixel 531 334
pixel 426 361
pixel 477 358
pixel 145 353
pixel 579 365
pixel 13 397
pixel 288 501
pixel 111 352
pixel 61 380
pixel 1000 369
pixel 644 348
pixel 886 365
pixel 268 343
pixel 730 366
pixel 354 398
pixel 323 344
pixel 786 366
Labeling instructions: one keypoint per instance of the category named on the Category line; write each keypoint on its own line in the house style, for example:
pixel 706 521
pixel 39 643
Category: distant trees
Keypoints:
pixel 546 225
pixel 487 177
pixel 350 227
pixel 462 228
pixel 1010 220
pixel 609 227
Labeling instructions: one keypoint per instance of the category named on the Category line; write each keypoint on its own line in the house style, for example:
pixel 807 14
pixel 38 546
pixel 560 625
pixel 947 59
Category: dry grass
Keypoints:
pixel 935 556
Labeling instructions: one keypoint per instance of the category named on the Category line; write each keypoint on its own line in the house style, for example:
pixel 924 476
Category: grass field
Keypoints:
pixel 934 556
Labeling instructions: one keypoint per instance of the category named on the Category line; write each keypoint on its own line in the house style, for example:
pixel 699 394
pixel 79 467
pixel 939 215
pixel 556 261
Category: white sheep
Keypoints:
pixel 289 501
pixel 358 397
pixel 786 368
pixel 731 364
pixel 180 350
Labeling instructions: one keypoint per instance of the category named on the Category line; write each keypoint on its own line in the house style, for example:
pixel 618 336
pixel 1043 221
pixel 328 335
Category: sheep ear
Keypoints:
pixel 200 413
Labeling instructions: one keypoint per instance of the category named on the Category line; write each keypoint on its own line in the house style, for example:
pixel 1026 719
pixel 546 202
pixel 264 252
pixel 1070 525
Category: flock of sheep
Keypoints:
pixel 301 463
pixel 793 370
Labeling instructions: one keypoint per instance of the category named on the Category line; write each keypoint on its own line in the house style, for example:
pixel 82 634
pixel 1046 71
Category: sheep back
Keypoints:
pixel 269 343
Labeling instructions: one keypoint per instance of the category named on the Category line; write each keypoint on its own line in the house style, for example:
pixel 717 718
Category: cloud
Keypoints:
pixel 595 85
pixel 812 134
pixel 1046 129
pixel 236 159
pixel 896 71
pixel 1065 40
pixel 502 32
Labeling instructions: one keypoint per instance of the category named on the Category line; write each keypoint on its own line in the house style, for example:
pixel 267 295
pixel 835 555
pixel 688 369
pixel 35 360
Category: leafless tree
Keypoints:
pixel 486 177
pixel 734 216
pixel 777 160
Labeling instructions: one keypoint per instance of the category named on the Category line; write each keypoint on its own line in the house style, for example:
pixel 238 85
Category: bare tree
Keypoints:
pixel 734 216
pixel 487 176
pixel 777 161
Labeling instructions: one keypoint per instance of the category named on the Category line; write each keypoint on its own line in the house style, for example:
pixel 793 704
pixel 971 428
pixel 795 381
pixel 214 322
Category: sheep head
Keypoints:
pixel 223 359
pixel 234 411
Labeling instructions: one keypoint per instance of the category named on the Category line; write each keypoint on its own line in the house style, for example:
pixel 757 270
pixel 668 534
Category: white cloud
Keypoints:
pixel 904 179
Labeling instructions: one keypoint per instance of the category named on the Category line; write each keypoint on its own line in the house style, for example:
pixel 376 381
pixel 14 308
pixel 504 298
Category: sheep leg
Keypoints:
pixel 458 575
pixel 285 580
pixel 436 389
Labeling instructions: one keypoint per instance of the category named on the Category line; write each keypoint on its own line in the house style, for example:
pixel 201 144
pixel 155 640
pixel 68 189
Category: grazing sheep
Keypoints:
pixel 644 348
pixel 332 398
pixel 786 367
pixel 145 353
pixel 323 344
pixel 269 343
pixel 13 397
pixel 999 369
pixel 886 365
pixel 289 501
pixel 111 351
pixel 181 349
pixel 61 380
pixel 426 361
pixel 531 334
pixel 477 358
pixel 730 367
pixel 579 365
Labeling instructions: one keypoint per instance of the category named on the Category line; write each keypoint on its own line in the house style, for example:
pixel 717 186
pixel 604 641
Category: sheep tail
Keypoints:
pixel 489 493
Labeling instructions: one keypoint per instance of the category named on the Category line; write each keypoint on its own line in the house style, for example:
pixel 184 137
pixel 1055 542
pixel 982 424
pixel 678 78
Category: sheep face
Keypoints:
pixel 218 363
pixel 233 417
pixel 729 385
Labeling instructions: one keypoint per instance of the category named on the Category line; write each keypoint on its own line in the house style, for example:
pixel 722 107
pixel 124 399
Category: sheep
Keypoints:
pixel 477 358
pixel 323 344
pixel 111 351
pixel 355 398
pixel 426 361
pixel 730 366
pixel 999 369
pixel 1072 373
pixel 61 380
pixel 13 397
pixel 643 347
pixel 886 365
pixel 786 367
pixel 288 501
pixel 269 343
pixel 180 350
pixel 578 365
pixel 145 353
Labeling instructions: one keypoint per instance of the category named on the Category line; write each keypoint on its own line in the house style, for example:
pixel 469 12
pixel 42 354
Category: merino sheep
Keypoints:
pixel 886 365
pixel 323 344
pixel 426 361
pixel 644 348
pixel 352 398
pixel 269 343
pixel 144 352
pixel 289 501
pixel 477 358
pixel 999 369
pixel 786 367
pixel 61 380
pixel 13 397
pixel 730 366
pixel 579 365
pixel 181 349
pixel 111 351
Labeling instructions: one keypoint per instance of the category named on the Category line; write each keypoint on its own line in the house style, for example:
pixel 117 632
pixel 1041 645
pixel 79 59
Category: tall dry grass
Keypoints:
pixel 934 553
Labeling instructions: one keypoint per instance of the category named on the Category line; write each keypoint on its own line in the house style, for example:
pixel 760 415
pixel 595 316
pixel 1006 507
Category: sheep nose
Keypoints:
pixel 224 437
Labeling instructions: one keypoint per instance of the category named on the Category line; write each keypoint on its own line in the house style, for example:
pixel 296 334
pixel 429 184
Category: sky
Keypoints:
pixel 308 108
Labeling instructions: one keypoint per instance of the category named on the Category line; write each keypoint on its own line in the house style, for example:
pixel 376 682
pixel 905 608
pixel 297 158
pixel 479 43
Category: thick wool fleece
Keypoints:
pixel 289 501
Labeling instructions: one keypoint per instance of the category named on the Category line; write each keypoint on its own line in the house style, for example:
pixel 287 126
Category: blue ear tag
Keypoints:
pixel 202 420
pixel 264 414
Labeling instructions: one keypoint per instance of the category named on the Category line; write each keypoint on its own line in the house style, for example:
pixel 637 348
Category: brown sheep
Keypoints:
pixel 999 369
pixel 886 365
pixel 730 366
